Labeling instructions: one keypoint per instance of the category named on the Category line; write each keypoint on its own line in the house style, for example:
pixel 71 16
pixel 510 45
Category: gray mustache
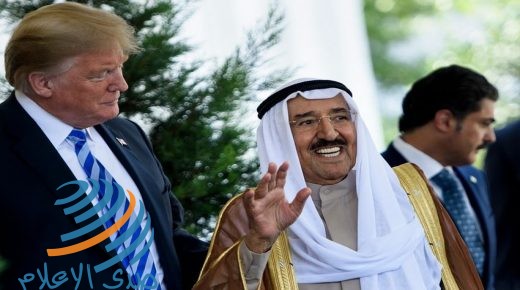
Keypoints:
pixel 326 143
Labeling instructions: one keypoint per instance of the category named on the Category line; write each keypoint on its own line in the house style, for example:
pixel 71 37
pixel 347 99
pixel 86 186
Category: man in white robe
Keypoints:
pixel 358 230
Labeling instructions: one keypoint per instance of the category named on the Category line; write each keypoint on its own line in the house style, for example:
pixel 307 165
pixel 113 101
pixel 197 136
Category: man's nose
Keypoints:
pixel 490 136
pixel 119 82
pixel 326 129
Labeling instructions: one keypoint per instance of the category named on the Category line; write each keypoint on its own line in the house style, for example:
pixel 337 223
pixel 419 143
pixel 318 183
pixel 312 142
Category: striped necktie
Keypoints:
pixel 132 241
pixel 455 204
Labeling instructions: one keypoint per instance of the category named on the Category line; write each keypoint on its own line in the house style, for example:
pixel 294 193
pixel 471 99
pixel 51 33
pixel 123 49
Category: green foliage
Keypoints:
pixel 390 23
pixel 194 108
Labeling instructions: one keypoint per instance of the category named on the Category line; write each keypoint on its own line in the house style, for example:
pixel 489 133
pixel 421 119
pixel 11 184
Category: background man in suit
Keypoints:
pixel 447 117
pixel 503 170
pixel 65 62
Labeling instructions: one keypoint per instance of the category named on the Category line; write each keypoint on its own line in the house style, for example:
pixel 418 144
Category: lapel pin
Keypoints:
pixel 473 179
pixel 121 141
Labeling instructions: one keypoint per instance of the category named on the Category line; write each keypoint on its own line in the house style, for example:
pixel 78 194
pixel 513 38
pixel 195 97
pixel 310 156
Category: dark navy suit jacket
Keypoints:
pixel 31 170
pixel 503 170
pixel 475 184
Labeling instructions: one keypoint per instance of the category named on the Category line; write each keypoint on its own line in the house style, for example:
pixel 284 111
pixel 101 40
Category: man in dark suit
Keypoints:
pixel 447 117
pixel 502 167
pixel 58 231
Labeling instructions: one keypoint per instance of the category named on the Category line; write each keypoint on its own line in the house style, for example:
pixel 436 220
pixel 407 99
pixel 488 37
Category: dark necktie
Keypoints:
pixel 454 202
pixel 132 241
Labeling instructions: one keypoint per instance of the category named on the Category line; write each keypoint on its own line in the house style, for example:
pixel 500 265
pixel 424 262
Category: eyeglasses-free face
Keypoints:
pixel 326 148
pixel 88 92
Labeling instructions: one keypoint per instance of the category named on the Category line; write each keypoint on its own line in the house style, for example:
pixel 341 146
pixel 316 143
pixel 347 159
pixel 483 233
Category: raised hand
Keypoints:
pixel 268 210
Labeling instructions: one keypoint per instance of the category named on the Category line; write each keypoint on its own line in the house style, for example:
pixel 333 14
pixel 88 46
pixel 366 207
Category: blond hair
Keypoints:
pixel 52 34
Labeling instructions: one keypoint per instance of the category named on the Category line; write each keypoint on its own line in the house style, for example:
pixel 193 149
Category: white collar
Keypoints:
pixel 429 166
pixel 55 129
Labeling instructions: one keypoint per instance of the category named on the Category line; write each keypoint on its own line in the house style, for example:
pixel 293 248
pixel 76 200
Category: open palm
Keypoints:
pixel 268 210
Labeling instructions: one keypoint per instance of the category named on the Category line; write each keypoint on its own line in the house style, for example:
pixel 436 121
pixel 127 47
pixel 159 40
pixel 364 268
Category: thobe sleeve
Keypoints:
pixel 224 267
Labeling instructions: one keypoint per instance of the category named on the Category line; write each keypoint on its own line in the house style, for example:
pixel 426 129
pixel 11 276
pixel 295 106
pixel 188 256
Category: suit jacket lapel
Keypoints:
pixel 140 175
pixel 393 157
pixel 130 162
pixel 476 190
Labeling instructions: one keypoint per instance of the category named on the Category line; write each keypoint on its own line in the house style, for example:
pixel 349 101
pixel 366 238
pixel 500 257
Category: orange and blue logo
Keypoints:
pixel 121 228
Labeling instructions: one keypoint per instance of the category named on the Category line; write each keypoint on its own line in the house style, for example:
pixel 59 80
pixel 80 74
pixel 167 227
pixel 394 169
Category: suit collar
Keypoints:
pixel 429 166
pixel 472 181
pixel 145 182
pixel 124 153
pixel 55 129
pixel 392 156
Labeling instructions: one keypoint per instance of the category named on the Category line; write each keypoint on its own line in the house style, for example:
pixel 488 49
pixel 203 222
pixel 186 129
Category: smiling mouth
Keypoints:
pixel 328 151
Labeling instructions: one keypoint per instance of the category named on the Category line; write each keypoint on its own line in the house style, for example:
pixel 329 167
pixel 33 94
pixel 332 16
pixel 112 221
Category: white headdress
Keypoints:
pixel 393 252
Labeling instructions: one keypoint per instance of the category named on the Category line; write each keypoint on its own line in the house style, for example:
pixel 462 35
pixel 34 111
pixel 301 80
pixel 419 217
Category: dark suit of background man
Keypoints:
pixel 65 63
pixel 503 170
pixel 447 117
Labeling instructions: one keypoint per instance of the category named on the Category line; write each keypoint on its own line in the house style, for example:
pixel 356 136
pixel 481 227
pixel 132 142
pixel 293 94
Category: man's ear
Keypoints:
pixel 41 84
pixel 444 120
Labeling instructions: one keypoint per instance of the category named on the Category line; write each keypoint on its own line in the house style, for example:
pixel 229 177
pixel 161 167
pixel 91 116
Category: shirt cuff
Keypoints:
pixel 253 264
